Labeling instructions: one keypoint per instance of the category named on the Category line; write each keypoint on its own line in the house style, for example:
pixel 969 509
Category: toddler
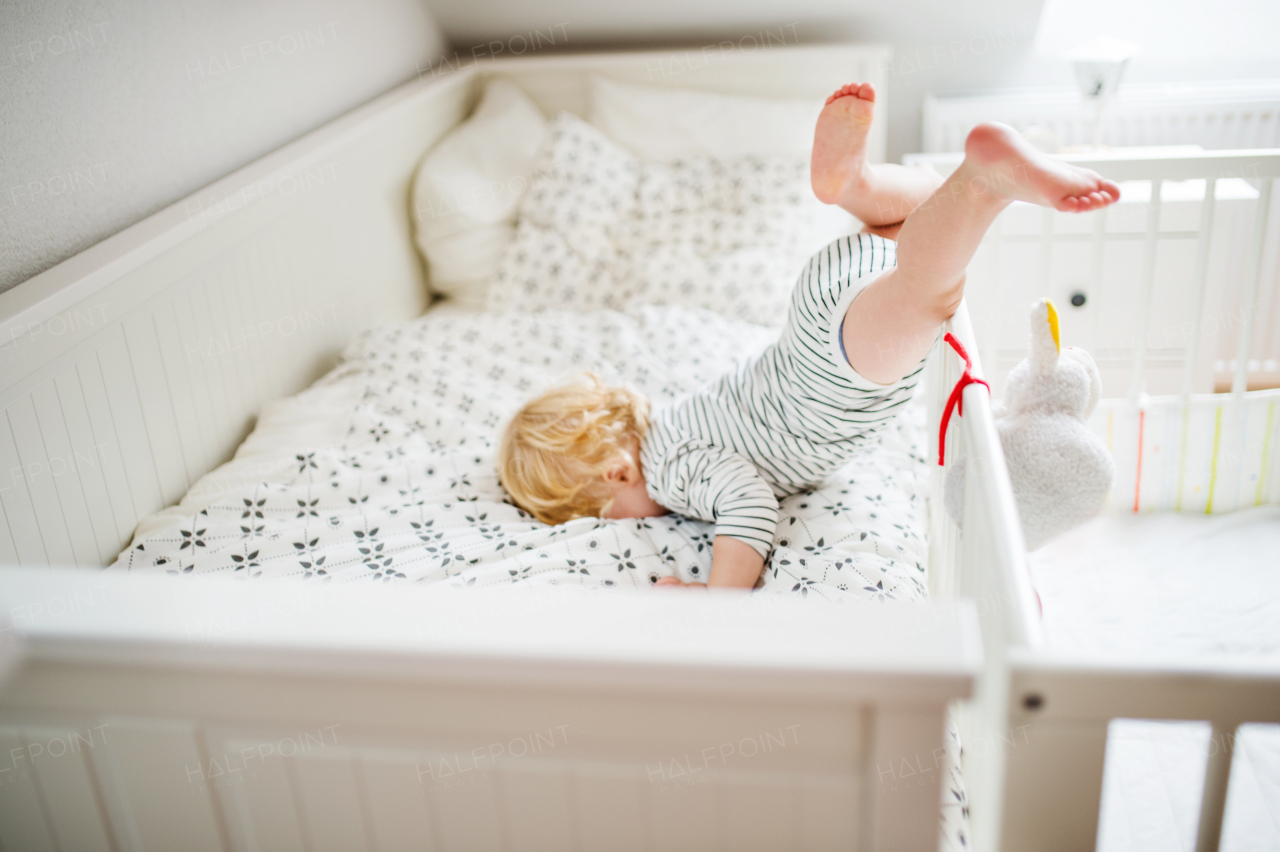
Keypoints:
pixel 863 317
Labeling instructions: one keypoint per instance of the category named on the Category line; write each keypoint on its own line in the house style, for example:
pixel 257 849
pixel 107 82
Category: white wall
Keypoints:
pixel 924 34
pixel 941 45
pixel 111 110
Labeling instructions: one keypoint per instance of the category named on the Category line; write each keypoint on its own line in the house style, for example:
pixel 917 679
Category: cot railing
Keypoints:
pixel 1231 179
pixel 1036 730
pixel 986 564
pixel 1260 165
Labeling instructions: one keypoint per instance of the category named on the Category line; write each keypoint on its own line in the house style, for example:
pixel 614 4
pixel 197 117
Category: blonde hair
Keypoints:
pixel 556 450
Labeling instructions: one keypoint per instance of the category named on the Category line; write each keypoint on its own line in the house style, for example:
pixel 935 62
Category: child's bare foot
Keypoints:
pixel 880 194
pixel 999 161
pixel 837 168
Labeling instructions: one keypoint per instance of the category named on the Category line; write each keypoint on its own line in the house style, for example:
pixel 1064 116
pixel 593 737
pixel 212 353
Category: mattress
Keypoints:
pixel 1181 586
pixel 383 471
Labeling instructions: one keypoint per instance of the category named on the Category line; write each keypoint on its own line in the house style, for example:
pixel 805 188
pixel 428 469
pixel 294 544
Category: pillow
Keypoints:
pixel 573 224
pixel 601 229
pixel 468 188
pixel 663 124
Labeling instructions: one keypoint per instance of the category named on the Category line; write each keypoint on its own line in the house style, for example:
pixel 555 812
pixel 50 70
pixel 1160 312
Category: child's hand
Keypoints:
pixel 734 564
pixel 676 581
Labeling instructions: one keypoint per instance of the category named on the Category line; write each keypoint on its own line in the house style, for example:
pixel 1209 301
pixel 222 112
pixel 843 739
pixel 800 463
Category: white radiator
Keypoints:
pixel 1223 114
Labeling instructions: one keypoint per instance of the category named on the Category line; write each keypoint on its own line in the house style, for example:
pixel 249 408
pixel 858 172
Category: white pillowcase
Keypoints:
pixel 663 124
pixel 599 229
pixel 468 188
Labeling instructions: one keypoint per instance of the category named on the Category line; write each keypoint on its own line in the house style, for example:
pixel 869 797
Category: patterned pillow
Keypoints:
pixel 600 229
pixel 564 254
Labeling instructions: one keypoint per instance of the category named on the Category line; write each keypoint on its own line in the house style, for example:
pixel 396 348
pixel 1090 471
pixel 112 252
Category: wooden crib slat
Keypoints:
pixel 829 815
pixel 113 453
pixel 1095 298
pixel 1151 236
pixel 23 823
pixel 157 406
pixel 1252 287
pixel 131 427
pixel 678 815
pixel 242 345
pixel 399 813
pixel 8 553
pixel 67 780
pixel 245 347
pixel 262 810
pixel 1207 208
pixel 156 786
pixel 612 809
pixel 329 801
pixel 763 812
pixel 469 812
pixel 223 351
pixel 19 507
pixel 278 308
pixel 211 351
pixel 207 392
pixel 191 431
pixel 64 470
pixel 90 458
pixel 1214 800
pixel 535 796
pixel 269 299
pixel 37 471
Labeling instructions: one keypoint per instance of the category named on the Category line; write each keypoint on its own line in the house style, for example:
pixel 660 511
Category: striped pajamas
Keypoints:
pixel 782 421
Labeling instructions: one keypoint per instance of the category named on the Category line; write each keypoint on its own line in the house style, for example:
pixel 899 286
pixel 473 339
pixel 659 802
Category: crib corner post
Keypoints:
pixel 1053 771
pixel 1216 776
pixel 902 777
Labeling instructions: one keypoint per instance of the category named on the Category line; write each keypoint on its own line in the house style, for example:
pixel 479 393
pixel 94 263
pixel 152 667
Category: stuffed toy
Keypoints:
pixel 1061 472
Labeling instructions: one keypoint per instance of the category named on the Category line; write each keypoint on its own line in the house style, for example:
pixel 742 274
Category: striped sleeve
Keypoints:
pixel 717 484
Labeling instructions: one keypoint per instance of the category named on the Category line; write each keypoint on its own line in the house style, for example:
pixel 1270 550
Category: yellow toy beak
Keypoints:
pixel 1045 349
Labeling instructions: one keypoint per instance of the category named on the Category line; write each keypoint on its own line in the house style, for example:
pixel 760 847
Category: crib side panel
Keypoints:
pixel 1209 454
pixel 756 778
pixel 118 401
pixel 245 763
pixel 329 718
pixel 1163 289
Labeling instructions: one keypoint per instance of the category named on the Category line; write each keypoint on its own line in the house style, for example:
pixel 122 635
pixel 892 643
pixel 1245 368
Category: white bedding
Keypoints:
pixel 383 471
pixel 1180 586
pixel 602 229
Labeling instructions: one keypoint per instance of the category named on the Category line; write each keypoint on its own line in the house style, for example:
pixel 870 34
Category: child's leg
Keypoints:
pixel 890 326
pixel 880 195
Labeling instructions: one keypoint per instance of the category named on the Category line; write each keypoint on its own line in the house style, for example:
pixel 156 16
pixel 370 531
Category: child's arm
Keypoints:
pixel 717 483
pixel 734 563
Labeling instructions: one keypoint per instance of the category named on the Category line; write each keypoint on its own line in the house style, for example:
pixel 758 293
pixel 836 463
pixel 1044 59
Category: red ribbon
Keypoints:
pixel 955 401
